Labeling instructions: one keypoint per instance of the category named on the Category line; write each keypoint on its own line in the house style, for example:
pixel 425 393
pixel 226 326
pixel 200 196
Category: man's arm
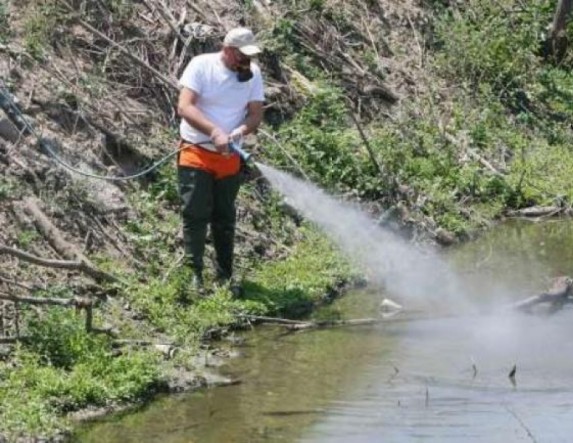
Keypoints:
pixel 187 109
pixel 253 119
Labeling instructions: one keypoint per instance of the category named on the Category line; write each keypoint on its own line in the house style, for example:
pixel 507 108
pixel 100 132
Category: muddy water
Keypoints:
pixel 432 380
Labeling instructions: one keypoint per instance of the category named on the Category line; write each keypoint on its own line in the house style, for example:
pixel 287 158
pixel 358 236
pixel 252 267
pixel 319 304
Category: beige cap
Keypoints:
pixel 242 39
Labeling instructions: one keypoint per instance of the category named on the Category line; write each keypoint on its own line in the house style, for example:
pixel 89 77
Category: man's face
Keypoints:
pixel 236 59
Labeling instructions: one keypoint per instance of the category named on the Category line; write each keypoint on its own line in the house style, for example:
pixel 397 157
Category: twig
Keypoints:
pixel 129 54
pixel 523 425
pixel 285 152
pixel 395 374
pixel 366 142
pixel 176 263
pixel 374 48
pixel 281 321
pixel 420 49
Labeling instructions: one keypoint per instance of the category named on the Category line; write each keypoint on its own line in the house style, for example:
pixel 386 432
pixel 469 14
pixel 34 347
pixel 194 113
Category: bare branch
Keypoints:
pixel 58 264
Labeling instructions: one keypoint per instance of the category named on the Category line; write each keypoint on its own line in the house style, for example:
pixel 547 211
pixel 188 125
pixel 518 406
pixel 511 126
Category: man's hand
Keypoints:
pixel 221 141
pixel 238 133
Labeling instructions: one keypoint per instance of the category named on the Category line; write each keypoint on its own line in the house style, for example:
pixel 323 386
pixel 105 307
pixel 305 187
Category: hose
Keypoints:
pixel 47 145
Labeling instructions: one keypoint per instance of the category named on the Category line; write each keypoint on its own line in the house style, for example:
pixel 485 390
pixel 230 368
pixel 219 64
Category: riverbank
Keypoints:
pixel 437 119
pixel 61 372
pixel 441 377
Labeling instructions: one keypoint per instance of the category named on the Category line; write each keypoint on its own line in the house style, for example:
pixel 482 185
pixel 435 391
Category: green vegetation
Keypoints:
pixel 489 132
pixel 8 189
pixel 4 22
pixel 289 287
pixel 327 149
pixel 61 368
pixel 498 139
pixel 42 25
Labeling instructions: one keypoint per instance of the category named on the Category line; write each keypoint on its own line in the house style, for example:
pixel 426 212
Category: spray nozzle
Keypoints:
pixel 236 144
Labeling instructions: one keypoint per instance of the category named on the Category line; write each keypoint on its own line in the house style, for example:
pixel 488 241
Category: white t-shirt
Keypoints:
pixel 221 97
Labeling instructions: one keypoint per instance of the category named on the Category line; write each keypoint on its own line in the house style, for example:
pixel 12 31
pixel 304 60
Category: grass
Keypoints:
pixel 289 287
pixel 61 368
pixel 505 104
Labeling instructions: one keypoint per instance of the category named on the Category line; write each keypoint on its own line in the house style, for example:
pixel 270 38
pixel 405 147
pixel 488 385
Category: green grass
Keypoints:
pixel 289 287
pixel 61 368
pixel 504 104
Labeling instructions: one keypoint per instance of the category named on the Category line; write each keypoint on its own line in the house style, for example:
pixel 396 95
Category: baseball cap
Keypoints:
pixel 242 39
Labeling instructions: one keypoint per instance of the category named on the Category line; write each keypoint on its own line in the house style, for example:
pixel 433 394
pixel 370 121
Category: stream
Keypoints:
pixel 428 380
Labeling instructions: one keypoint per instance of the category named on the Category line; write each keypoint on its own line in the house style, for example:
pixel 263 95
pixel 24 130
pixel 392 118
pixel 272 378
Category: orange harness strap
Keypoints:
pixel 219 165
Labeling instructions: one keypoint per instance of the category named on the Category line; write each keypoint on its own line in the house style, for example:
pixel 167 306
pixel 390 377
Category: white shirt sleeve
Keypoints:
pixel 257 90
pixel 192 77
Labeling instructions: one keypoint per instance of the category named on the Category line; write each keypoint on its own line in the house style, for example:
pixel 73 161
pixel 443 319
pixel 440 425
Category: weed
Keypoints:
pixel 5 31
pixel 26 238
pixel 8 189
pixel 42 25
pixel 62 368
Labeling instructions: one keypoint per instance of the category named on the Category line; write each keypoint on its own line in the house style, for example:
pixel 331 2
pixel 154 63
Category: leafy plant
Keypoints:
pixel 60 338
pixel 27 237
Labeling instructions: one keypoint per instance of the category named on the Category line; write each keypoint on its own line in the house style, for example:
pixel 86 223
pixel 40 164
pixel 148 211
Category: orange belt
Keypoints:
pixel 219 165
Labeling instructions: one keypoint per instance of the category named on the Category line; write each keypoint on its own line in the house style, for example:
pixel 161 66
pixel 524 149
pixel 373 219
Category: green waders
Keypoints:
pixel 206 200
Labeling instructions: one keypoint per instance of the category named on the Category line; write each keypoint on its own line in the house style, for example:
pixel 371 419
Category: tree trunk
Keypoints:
pixel 556 44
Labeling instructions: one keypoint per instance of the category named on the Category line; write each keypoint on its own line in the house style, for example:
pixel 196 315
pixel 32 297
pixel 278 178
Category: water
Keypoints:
pixel 433 380
pixel 394 383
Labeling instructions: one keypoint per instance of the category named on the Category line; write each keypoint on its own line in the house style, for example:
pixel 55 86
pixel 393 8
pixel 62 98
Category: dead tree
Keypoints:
pixel 556 43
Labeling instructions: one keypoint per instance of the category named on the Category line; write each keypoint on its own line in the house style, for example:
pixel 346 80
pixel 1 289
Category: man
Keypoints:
pixel 221 101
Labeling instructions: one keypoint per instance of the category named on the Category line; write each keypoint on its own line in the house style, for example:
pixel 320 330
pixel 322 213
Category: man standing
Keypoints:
pixel 221 101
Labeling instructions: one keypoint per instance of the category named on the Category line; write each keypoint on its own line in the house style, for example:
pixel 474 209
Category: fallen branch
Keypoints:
pixel 56 240
pixel 50 232
pixel 366 142
pixel 167 16
pixel 334 323
pixel 58 264
pixel 76 302
pixel 9 281
pixel 10 340
pixel 272 320
pixel 556 297
pixel 107 330
pixel 536 211
pixel 483 162
pixel 167 349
